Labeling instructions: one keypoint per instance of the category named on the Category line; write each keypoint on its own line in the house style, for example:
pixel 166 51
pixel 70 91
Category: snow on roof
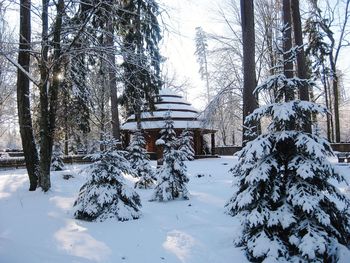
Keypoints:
pixel 168 106
pixel 160 114
pixel 160 124
pixel 185 116
pixel 173 99
pixel 168 92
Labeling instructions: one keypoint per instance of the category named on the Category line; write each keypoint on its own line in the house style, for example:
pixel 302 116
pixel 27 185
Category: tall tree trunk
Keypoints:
pixel 102 107
pixel 335 87
pixel 66 128
pixel 112 82
pixel 139 47
pixel 23 98
pixel 49 92
pixel 326 96
pixel 301 64
pixel 287 45
pixel 205 62
pixel 288 63
pixel 330 108
pixel 44 101
pixel 249 80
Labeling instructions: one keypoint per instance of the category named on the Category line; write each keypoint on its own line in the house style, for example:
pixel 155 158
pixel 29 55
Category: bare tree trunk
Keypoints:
pixel 326 96
pixel 335 87
pixel 103 115
pixel 44 101
pixel 301 65
pixel 330 108
pixel 49 92
pixel 23 101
pixel 66 128
pixel 287 45
pixel 112 82
pixel 206 75
pixel 288 64
pixel 66 140
pixel 249 100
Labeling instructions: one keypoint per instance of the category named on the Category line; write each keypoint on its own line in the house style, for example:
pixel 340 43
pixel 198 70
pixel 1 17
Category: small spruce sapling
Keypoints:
pixel 105 193
pixel 140 162
pixel 186 144
pixel 288 207
pixel 172 178
pixel 57 163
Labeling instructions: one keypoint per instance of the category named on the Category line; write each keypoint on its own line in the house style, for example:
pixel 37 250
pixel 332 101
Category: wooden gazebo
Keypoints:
pixel 184 116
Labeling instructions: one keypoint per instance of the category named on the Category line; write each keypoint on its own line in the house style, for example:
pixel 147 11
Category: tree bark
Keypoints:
pixel 112 82
pixel 249 79
pixel 49 92
pixel 44 101
pixel 287 46
pixel 23 98
pixel 301 65
pixel 328 105
pixel 335 87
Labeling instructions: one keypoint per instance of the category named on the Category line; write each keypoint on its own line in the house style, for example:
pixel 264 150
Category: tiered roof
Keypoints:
pixel 181 112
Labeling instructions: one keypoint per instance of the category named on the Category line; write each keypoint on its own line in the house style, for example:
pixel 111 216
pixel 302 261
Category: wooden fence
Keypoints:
pixel 16 159
pixel 18 162
pixel 230 150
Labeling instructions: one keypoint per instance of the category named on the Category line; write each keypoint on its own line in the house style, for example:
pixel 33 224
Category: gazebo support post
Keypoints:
pixel 212 143
pixel 197 142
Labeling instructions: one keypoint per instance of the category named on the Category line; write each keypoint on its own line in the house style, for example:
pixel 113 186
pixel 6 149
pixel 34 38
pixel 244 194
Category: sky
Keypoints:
pixel 181 18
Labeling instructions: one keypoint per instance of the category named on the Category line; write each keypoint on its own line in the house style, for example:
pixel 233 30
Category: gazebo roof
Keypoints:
pixel 181 112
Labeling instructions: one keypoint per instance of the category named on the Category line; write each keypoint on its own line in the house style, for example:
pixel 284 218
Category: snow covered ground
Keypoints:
pixel 38 227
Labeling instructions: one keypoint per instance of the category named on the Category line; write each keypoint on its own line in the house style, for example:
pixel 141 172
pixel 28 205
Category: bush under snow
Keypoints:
pixel 105 194
pixel 140 162
pixel 171 176
pixel 289 209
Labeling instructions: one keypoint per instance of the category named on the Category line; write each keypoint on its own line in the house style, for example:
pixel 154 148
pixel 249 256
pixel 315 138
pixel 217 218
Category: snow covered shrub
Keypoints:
pixel 140 162
pixel 186 144
pixel 167 134
pixel 172 178
pixel 105 194
pixel 289 209
pixel 57 159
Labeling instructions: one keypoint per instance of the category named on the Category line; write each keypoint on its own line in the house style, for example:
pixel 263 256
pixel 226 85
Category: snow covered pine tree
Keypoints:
pixel 105 194
pixel 186 144
pixel 172 178
pixel 140 161
pixel 289 209
pixel 57 160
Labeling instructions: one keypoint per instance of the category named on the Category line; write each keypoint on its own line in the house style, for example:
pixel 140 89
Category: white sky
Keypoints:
pixel 178 45
pixel 182 17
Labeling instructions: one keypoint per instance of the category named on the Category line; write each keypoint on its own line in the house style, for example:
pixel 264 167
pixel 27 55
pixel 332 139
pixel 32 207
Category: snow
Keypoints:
pixel 160 114
pixel 174 99
pixel 160 124
pixel 40 227
pixel 181 111
pixel 169 92
pixel 169 106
